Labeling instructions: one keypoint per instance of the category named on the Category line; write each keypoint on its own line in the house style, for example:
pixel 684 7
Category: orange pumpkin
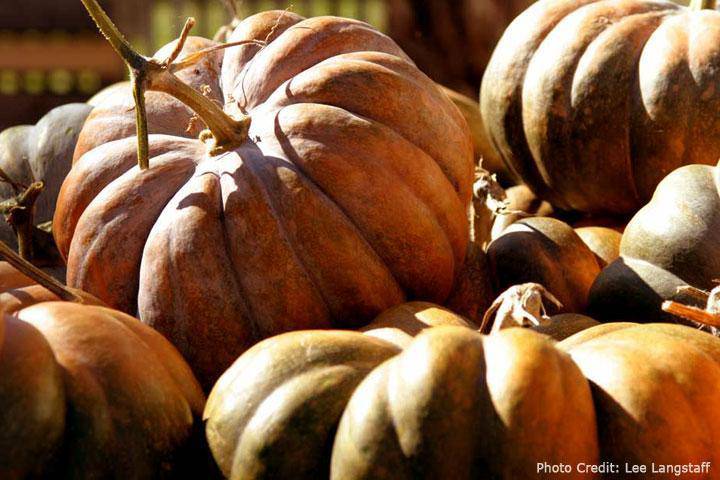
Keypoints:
pixel 87 391
pixel 592 102
pixel 347 195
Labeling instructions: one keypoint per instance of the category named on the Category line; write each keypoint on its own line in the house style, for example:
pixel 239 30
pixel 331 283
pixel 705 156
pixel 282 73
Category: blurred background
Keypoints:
pixel 51 53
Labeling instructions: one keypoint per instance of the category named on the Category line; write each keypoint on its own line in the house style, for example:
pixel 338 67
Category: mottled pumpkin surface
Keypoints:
pixel 671 242
pixel 652 383
pixel 90 392
pixel 452 404
pixel 592 102
pixel 547 251
pixel 349 196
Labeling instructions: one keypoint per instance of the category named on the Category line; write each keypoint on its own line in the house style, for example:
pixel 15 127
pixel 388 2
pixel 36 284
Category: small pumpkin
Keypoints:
pixel 90 392
pixel 401 323
pixel 670 243
pixel 546 251
pixel 592 102
pixel 602 235
pixel 341 191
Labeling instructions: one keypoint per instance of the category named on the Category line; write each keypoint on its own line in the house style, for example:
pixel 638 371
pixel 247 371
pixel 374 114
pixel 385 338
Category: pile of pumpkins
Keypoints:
pixel 280 258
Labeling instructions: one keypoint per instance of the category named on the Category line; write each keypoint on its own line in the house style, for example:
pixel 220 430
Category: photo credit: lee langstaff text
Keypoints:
pixel 610 468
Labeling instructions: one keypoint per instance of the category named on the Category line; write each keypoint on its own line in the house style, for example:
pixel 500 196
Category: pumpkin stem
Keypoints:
pixel 42 278
pixel 519 306
pixel 225 132
pixel 703 4
pixel 707 317
pixel 19 213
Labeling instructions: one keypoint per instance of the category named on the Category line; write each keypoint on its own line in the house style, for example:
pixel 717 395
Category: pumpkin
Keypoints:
pixel 90 392
pixel 489 158
pixel 347 195
pixel 546 251
pixel 399 324
pixel 651 383
pixel 452 40
pixel 453 404
pixel 457 404
pixel 602 235
pixel 39 153
pixel 670 243
pixel 592 102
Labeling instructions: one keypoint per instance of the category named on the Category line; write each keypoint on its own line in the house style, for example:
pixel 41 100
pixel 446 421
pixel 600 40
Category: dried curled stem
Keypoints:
pixel 708 317
pixel 225 132
pixel 703 4
pixel 488 191
pixel 519 306
pixel 42 278
pixel 19 213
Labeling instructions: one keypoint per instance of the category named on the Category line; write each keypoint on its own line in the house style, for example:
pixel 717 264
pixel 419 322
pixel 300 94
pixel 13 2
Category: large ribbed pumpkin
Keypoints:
pixel 348 195
pixel 592 102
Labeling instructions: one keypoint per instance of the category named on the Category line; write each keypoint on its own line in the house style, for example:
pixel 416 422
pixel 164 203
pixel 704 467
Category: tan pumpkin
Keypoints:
pixel 546 251
pixel 453 404
pixel 90 392
pixel 592 102
pixel 347 195
pixel 652 383
pixel 458 404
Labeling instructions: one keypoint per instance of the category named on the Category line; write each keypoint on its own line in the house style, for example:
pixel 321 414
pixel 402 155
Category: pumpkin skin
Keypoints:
pixel 40 152
pixel 565 325
pixel 90 392
pixel 669 243
pixel 592 102
pixel 427 397
pixel 483 150
pixel 602 235
pixel 296 386
pixel 547 251
pixel 350 195
pixel 491 400
pixel 651 383
pixel 604 242
pixel 401 323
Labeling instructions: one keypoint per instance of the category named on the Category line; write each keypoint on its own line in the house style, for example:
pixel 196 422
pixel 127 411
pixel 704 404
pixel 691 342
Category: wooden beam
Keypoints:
pixel 87 52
